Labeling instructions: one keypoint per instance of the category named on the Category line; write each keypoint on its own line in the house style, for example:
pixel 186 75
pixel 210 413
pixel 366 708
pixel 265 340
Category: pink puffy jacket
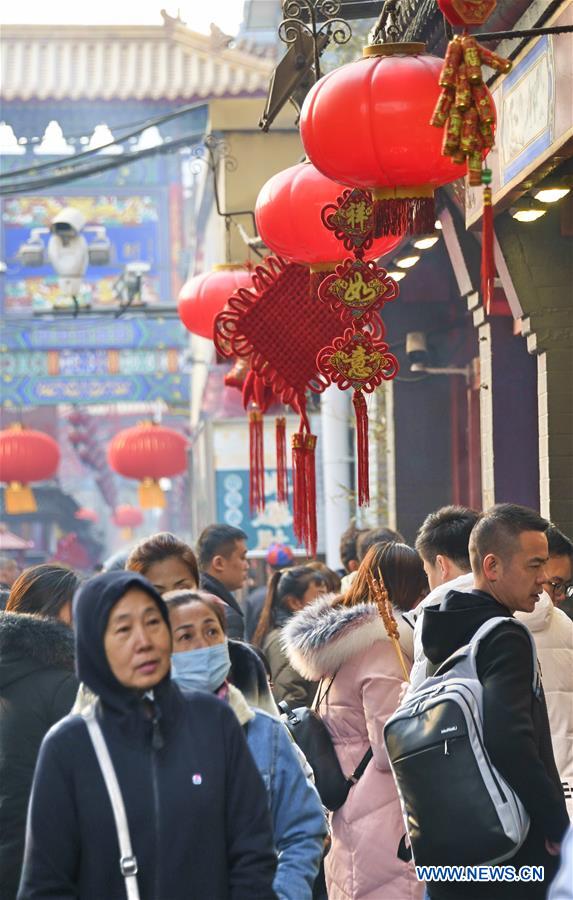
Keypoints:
pixel 351 641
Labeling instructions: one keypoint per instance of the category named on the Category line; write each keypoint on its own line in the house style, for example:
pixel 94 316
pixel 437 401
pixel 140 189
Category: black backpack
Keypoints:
pixel 313 738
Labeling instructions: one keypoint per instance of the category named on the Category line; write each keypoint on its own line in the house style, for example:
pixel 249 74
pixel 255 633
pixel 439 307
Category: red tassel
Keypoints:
pixel 487 257
pixel 304 489
pixel 282 476
pixel 404 215
pixel 257 461
pixel 361 413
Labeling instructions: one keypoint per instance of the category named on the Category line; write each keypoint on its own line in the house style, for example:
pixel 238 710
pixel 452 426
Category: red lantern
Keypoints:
pixel 204 296
pixel 467 12
pixel 25 455
pixel 367 124
pixel 148 452
pixel 289 218
pixel 126 516
pixel 83 514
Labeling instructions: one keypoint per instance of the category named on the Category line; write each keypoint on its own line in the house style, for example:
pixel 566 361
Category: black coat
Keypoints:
pixel 235 616
pixel 37 688
pixel 516 733
pixel 195 802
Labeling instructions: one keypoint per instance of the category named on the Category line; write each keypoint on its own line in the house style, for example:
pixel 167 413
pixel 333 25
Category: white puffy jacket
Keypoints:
pixel 553 634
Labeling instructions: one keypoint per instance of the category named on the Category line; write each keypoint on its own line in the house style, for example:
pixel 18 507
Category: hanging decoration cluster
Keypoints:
pixel 358 358
pixel 466 111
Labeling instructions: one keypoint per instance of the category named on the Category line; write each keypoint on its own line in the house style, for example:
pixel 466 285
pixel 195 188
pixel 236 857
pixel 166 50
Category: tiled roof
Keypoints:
pixel 119 62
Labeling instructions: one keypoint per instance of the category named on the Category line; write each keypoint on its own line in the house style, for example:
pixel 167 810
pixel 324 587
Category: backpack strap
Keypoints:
pixel 127 861
pixel 489 626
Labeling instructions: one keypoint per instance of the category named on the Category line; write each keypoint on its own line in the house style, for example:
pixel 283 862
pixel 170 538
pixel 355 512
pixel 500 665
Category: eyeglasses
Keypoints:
pixel 561 588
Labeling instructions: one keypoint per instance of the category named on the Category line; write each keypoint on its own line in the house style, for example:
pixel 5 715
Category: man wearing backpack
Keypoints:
pixel 508 553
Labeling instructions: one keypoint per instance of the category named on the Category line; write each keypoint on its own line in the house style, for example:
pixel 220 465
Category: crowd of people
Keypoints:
pixel 143 753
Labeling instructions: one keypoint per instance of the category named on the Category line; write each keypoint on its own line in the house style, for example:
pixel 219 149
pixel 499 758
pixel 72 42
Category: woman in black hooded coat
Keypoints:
pixel 195 803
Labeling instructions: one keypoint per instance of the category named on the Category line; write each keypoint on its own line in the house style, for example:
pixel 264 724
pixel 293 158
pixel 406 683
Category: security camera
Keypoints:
pixel 137 268
pixel 417 348
pixel 68 223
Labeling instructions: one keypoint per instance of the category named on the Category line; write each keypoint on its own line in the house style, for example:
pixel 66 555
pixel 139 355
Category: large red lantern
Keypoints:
pixel 367 124
pixel 25 456
pixel 148 452
pixel 204 296
pixel 289 218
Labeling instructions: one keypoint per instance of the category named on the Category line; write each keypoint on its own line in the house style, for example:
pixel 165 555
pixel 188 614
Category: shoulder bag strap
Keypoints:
pixel 361 767
pixel 127 862
pixel 319 698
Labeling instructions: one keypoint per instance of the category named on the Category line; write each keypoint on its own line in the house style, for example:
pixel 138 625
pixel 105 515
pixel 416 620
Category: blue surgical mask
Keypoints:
pixel 203 669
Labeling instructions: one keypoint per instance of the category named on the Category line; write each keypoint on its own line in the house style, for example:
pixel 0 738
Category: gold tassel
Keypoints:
pixel 150 495
pixel 19 498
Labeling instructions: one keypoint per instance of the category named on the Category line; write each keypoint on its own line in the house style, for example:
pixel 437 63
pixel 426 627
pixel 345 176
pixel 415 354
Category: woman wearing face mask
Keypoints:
pixel 201 661
pixel 194 800
pixel 289 591
pixel 37 688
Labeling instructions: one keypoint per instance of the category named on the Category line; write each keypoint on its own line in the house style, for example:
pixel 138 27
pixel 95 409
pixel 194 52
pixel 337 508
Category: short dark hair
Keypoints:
pixel 158 547
pixel 402 571
pixel 373 536
pixel 559 543
pixel 446 532
pixel 217 540
pixel 348 541
pixel 497 531
pixel 173 599
pixel 43 590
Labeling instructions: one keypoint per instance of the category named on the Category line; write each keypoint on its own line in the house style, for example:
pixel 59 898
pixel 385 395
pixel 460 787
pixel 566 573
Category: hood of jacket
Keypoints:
pixel 455 621
pixel 249 676
pixel 92 606
pixel 30 643
pixel 541 617
pixel 322 636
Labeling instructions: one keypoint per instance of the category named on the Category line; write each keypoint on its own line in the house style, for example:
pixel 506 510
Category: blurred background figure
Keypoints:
pixel 288 593
pixel 168 563
pixel 8 572
pixel 201 661
pixel 342 641
pixel 331 578
pixel 348 549
pixel 116 562
pixel 559 569
pixel 37 688
pixel 222 555
pixel 366 538
pixel 278 556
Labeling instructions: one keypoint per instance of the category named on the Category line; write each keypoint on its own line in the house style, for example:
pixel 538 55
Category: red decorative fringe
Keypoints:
pixel 487 257
pixel 304 489
pixel 257 461
pixel 282 477
pixel 361 413
pixel 404 215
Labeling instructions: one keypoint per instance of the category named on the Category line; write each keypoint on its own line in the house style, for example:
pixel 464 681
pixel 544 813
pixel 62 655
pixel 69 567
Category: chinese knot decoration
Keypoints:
pixel 358 358
pixel 467 12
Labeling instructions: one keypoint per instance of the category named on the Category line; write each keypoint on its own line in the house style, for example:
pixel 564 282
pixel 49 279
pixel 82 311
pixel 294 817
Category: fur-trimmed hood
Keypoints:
pixel 321 637
pixel 29 643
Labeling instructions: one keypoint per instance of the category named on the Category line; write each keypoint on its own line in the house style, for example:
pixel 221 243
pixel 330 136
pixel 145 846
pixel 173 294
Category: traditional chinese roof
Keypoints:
pixel 121 62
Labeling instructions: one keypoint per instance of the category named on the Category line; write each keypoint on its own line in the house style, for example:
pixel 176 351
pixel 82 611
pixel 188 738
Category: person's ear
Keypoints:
pixel 443 565
pixel 218 563
pixel 491 567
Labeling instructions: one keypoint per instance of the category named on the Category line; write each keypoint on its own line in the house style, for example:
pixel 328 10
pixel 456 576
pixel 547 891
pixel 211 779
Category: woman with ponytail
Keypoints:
pixel 289 591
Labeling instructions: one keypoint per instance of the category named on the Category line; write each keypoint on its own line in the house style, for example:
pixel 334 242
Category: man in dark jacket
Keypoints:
pixel 222 558
pixel 508 552
pixel 195 803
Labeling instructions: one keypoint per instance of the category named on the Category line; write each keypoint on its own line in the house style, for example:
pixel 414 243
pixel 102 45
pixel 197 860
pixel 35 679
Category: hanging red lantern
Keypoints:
pixel 148 452
pixel 467 12
pixel 25 456
pixel 288 213
pixel 84 514
pixel 204 296
pixel 367 124
pixel 126 516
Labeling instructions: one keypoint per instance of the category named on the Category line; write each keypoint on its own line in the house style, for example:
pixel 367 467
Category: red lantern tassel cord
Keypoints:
pixel 400 214
pixel 282 475
pixel 256 461
pixel 304 489
pixel 361 413
pixel 487 255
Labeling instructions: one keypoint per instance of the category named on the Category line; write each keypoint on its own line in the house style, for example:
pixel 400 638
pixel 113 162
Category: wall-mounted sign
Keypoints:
pixel 85 390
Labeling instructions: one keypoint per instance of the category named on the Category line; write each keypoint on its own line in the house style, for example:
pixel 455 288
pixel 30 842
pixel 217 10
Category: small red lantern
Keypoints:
pixel 467 12
pixel 288 213
pixel 84 514
pixel 127 518
pixel 25 455
pixel 204 296
pixel 148 452
pixel 367 124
